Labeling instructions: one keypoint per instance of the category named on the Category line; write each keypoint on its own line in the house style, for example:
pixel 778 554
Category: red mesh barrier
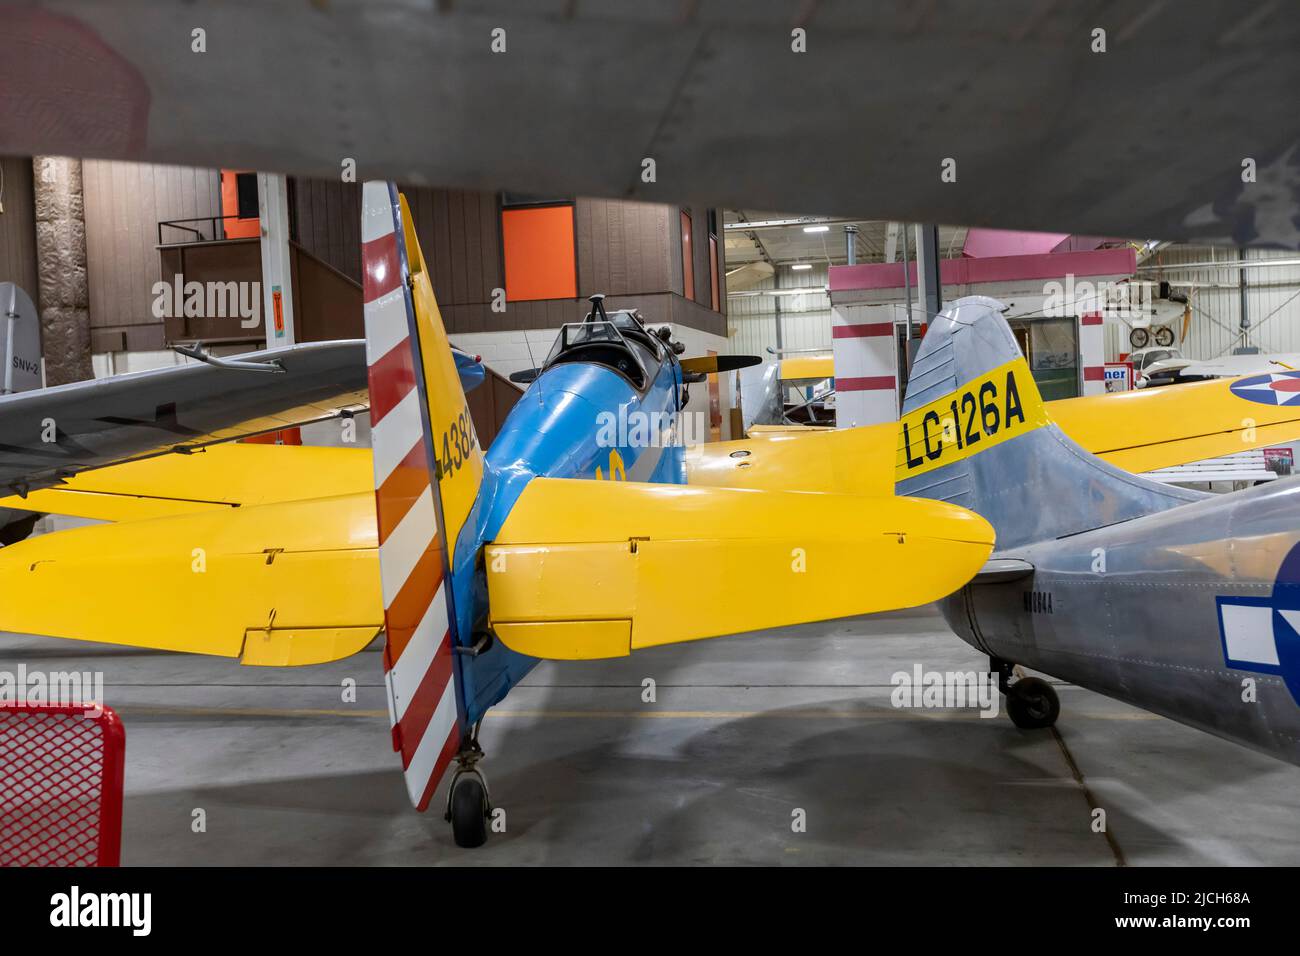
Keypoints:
pixel 60 785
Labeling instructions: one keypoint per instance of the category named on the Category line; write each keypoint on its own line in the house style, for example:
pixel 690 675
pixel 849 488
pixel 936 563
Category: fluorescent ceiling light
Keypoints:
pixel 800 266
pixel 816 228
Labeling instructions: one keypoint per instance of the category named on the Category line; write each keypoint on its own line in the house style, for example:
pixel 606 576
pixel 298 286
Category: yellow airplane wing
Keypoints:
pixel 1138 431
pixel 286 583
pixel 1173 425
pixel 807 367
pixel 215 478
pixel 593 569
pixel 581 569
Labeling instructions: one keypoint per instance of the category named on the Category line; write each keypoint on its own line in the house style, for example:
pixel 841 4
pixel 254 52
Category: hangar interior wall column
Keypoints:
pixel 277 276
pixel 866 377
pixel 1092 354
pixel 928 285
pixel 64 297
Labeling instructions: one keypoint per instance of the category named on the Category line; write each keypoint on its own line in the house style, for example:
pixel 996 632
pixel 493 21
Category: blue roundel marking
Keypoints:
pixel 1286 597
pixel 1271 388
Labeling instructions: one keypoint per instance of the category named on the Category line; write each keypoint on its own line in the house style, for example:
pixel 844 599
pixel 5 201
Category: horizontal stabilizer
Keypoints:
pixel 279 584
pixel 592 569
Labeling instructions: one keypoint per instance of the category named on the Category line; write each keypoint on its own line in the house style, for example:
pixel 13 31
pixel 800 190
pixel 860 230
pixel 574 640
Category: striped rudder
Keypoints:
pixel 419 664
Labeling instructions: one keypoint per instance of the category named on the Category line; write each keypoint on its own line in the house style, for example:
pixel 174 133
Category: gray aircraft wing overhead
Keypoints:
pixel 1100 117
pixel 49 434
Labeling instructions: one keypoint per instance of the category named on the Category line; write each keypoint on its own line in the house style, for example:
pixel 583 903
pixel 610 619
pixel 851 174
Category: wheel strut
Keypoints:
pixel 468 803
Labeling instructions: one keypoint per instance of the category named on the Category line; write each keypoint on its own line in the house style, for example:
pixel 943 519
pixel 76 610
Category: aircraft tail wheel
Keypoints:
pixel 1032 704
pixel 468 809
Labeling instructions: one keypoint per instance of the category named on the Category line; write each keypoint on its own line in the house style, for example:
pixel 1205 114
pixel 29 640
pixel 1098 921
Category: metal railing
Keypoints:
pixel 210 236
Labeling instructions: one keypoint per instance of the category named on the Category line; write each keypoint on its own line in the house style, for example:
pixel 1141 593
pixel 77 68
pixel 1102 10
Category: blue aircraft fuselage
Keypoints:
pixel 576 420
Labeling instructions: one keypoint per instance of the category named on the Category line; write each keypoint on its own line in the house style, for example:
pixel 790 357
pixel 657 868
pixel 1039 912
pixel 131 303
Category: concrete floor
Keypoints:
pixel 744 731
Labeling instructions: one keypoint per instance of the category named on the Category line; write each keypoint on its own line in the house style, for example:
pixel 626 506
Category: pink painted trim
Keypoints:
pixel 865 330
pixel 872 383
pixel 889 275
pixel 1094 373
pixel 988 243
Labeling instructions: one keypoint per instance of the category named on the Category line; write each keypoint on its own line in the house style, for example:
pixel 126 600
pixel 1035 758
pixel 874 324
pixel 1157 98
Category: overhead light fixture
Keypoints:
pixel 801 266
pixel 816 228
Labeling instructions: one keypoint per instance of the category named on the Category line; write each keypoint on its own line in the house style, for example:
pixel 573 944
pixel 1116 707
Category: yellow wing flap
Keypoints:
pixel 585 569
pixel 215 478
pixel 285 583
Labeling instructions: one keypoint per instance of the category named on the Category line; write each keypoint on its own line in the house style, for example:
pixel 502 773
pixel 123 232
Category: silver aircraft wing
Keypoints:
pixel 1077 115
pixel 49 434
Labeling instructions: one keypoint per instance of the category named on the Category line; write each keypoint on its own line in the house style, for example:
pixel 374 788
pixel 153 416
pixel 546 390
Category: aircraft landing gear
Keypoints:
pixel 1032 704
pixel 468 804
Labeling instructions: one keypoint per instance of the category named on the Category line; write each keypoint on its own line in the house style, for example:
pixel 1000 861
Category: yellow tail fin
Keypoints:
pixel 455 444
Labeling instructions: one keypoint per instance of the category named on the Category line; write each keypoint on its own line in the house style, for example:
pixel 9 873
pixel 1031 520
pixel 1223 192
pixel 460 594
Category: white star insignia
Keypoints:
pixel 1279 397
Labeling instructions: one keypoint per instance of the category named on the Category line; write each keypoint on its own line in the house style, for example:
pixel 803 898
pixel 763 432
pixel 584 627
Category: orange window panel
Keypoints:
pixel 537 244
pixel 249 225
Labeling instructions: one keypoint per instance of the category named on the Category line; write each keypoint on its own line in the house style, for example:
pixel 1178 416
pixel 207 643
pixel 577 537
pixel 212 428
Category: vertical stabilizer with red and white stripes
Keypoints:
pixel 414 550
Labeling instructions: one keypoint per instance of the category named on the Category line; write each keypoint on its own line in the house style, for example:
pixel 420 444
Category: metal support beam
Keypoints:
pixel 891 241
pixel 746 225
pixel 277 276
pixel 776 307
pixel 851 244
pixel 929 288
pixel 907 290
pixel 1243 299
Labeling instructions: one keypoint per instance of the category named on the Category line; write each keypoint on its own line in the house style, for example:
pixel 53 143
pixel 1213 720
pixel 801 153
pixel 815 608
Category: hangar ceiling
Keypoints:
pixel 1146 138
pixel 784 239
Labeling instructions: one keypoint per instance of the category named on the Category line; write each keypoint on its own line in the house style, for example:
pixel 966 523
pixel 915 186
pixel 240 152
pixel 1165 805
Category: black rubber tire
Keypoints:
pixel 1139 338
pixel 468 811
pixel 1164 336
pixel 1032 704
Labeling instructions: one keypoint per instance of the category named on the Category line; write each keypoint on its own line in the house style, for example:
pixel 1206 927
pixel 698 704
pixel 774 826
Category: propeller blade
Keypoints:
pixel 709 364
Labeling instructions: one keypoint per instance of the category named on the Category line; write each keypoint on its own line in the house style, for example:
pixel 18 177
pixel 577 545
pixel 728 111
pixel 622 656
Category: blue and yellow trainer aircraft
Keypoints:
pixel 475 565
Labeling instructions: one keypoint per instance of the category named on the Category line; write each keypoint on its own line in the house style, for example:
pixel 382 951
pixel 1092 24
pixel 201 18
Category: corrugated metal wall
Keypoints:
pixel 1272 303
pixel 805 318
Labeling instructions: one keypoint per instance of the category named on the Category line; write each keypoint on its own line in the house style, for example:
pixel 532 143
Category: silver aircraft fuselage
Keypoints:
pixel 1191 613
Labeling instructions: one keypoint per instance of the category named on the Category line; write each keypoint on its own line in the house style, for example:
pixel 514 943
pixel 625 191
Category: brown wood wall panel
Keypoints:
pixel 490 243
pixel 628 250
pixel 124 202
pixel 700 246
pixel 18 226
pixel 328 219
pixel 550 313
pixel 623 247
pixel 489 404
pixel 473 249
